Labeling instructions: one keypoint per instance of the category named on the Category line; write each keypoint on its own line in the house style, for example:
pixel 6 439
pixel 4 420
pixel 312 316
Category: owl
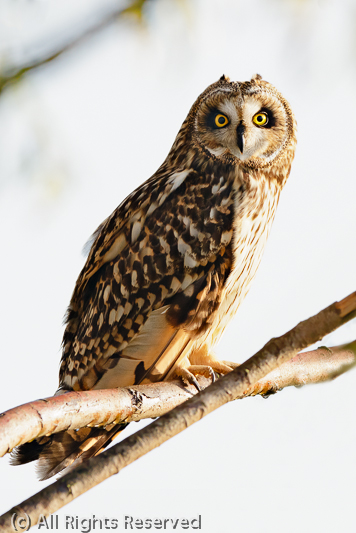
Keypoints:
pixel 169 267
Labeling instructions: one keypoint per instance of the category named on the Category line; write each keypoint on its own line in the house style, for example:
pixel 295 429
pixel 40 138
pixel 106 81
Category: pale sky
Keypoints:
pixel 77 137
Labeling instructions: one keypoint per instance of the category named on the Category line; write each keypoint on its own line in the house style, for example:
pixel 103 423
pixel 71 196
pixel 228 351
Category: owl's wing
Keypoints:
pixel 151 282
pixel 123 226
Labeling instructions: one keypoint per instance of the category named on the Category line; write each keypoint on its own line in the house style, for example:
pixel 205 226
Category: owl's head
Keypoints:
pixel 247 123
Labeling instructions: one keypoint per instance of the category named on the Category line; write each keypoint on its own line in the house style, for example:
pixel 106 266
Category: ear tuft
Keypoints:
pixel 256 77
pixel 224 78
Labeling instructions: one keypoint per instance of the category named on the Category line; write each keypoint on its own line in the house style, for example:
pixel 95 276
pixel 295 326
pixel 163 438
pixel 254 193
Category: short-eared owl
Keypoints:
pixel 168 269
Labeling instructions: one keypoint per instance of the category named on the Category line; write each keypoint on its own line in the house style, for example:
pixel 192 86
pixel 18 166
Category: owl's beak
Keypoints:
pixel 240 130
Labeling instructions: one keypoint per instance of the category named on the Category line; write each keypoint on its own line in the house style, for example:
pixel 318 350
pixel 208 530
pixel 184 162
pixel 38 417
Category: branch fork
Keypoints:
pixel 277 365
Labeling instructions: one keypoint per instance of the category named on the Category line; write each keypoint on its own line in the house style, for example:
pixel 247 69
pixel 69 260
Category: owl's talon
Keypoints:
pixel 187 375
pixel 196 384
pixel 211 373
pixel 188 378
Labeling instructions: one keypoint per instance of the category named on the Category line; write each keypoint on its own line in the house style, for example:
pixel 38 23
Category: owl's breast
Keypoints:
pixel 255 208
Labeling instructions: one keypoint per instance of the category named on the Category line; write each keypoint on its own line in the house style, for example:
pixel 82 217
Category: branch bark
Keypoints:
pixel 232 386
pixel 75 410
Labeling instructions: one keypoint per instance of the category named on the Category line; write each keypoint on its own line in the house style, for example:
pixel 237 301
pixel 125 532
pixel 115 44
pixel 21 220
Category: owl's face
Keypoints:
pixel 249 122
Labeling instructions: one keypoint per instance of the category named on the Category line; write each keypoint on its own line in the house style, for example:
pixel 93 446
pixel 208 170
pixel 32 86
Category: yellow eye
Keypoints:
pixel 261 119
pixel 221 121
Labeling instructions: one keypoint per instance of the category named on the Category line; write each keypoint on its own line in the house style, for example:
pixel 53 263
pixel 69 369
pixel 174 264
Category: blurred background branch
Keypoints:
pixel 14 73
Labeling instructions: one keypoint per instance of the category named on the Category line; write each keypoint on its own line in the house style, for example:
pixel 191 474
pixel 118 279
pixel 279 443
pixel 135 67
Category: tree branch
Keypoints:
pixel 232 386
pixel 15 73
pixel 75 410
pixel 317 366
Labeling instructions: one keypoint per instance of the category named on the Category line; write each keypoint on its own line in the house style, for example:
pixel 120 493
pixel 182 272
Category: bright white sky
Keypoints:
pixel 78 136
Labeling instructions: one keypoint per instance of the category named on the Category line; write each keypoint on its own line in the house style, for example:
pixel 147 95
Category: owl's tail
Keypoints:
pixel 64 451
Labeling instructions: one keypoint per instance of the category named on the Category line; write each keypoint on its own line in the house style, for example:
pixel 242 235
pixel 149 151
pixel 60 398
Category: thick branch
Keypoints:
pixel 16 72
pixel 232 386
pixel 75 410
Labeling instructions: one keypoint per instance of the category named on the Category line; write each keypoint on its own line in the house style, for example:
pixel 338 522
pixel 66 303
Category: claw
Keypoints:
pixel 188 378
pixel 195 383
pixel 211 372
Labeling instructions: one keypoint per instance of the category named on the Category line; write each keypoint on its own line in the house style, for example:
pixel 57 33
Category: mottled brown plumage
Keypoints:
pixel 168 269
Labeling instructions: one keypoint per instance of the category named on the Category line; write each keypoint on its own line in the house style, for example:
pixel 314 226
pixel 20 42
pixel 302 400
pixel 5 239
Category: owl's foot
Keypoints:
pixel 206 358
pixel 187 375
pixel 231 365
pixel 222 367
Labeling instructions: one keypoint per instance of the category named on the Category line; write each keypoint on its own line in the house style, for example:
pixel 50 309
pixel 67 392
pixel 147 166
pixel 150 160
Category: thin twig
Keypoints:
pixel 276 352
pixel 75 410
pixel 14 73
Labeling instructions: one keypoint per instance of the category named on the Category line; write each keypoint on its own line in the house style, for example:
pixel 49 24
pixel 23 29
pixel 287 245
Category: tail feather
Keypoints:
pixel 64 451
pixel 26 453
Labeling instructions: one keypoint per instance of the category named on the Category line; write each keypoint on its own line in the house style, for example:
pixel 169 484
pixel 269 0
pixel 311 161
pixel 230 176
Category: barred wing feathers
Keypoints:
pixel 153 278
pixel 151 285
